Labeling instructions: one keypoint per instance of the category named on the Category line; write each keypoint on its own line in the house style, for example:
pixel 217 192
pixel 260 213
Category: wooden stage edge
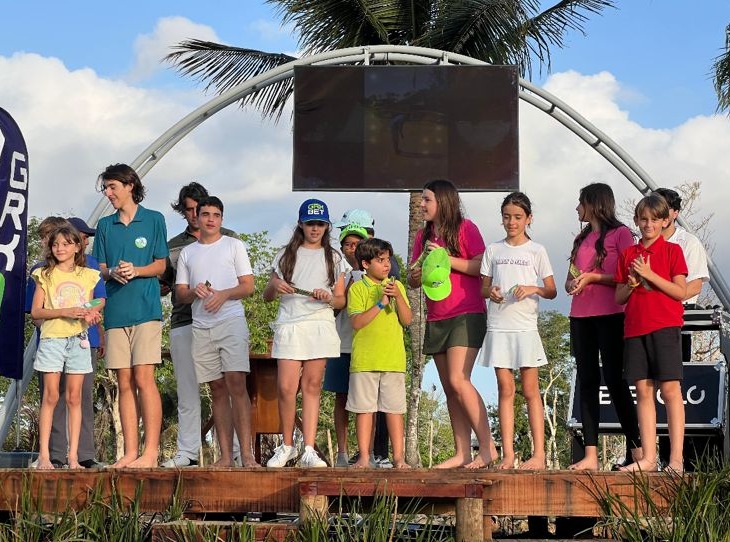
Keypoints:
pixel 238 490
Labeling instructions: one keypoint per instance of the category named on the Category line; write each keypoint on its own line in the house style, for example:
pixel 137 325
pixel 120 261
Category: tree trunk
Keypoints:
pixel 415 297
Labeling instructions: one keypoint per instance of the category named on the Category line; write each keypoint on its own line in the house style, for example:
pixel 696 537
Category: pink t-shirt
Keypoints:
pixel 466 290
pixel 599 299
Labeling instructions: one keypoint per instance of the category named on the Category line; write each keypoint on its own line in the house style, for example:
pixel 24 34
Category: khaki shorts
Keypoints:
pixel 134 345
pixel 377 392
pixel 220 349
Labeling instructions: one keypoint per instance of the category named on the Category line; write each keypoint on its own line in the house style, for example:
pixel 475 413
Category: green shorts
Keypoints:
pixel 463 330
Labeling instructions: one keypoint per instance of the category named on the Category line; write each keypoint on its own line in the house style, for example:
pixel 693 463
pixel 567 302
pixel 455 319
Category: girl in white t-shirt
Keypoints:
pixel 63 302
pixel 511 269
pixel 308 274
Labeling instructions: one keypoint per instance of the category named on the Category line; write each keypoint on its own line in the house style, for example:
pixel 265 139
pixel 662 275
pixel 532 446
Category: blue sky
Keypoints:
pixel 84 81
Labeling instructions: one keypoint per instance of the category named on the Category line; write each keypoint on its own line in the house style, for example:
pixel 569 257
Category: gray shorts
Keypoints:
pixel 220 349
pixel 377 392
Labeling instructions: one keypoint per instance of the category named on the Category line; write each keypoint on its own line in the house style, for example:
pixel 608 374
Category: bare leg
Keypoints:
pixel 128 416
pixel 151 408
pixel 646 411
pixel 397 439
pixel 223 421
pixel 536 417
pixel 48 405
pixel 674 403
pixel 236 383
pixel 312 373
pixel 506 409
pixel 289 374
pixel 364 430
pixel 74 382
pixel 342 419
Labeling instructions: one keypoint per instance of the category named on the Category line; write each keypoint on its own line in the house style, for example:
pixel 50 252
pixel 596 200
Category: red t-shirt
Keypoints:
pixel 650 310
pixel 466 290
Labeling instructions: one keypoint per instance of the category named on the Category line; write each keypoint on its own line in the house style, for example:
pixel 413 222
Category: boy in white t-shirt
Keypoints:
pixel 214 274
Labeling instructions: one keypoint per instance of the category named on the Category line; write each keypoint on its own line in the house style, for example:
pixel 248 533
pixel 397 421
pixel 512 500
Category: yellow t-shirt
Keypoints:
pixel 379 345
pixel 64 289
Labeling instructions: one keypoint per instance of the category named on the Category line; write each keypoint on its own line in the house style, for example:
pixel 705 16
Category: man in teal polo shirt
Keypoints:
pixel 131 246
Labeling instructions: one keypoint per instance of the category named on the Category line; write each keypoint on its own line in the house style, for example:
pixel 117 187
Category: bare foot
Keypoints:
pixel 249 462
pixel 482 461
pixel 534 463
pixel 401 465
pixel 44 464
pixel 144 462
pixel 507 463
pixel 124 462
pixel 642 465
pixel 223 463
pixel 453 463
pixel 362 463
pixel 585 464
pixel 675 468
pixel 74 465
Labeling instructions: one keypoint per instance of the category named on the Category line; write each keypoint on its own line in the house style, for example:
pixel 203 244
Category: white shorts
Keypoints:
pixel 220 349
pixel 512 350
pixel 306 340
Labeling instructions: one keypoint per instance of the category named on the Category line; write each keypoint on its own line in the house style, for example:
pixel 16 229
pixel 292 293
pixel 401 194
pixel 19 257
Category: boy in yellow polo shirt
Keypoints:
pixel 378 310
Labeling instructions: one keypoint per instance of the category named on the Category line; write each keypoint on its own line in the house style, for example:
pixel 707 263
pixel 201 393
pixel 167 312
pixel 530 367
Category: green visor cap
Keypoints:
pixel 354 229
pixel 435 275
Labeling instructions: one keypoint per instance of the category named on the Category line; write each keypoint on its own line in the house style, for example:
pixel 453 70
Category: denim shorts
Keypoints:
pixel 62 355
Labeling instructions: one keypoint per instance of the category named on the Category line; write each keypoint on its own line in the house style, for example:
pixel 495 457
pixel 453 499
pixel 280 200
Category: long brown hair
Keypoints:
pixel 289 258
pixel 70 234
pixel 450 216
pixel 598 197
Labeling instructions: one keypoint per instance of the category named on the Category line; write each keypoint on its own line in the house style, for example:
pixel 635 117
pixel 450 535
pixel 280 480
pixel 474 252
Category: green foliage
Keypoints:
pixel 697 507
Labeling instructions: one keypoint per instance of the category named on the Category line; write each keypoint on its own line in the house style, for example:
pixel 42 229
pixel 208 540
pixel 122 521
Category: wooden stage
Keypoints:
pixel 474 496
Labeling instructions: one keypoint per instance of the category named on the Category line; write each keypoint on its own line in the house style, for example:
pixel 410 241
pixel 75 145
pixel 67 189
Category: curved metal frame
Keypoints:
pixel 535 96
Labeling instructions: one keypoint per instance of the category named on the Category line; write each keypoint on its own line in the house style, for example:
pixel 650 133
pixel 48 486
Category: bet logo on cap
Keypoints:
pixel 313 210
pixel 435 275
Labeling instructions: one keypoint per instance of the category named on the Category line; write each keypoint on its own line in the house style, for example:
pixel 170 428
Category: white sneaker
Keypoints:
pixel 310 459
pixel 179 462
pixel 342 460
pixel 282 455
pixel 383 462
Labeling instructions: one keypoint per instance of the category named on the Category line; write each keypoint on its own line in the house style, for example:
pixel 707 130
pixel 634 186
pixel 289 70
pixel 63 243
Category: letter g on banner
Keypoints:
pixel 13 244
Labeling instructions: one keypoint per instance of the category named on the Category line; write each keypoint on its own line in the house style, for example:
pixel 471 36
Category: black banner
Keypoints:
pixel 13 244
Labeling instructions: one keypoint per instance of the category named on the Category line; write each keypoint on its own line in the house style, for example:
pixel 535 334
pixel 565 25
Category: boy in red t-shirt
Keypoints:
pixel 651 281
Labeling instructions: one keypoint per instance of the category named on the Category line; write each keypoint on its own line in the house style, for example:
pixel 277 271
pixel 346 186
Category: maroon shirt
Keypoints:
pixel 648 310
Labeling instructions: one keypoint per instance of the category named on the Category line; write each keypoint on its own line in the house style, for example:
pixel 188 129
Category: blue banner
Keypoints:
pixel 13 244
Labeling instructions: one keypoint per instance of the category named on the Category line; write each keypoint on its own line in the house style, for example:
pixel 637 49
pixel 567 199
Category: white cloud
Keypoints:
pixel 75 123
pixel 150 49
pixel 270 31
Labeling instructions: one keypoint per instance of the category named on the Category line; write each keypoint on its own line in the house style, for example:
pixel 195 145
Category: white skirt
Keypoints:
pixel 306 340
pixel 512 350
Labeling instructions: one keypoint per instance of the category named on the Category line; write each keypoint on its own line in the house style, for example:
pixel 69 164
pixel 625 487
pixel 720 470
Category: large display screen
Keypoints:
pixel 394 128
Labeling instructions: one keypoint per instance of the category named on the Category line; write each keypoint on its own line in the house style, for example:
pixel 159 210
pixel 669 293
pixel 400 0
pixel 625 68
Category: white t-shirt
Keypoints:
pixel 310 273
pixel 219 263
pixel 342 320
pixel 694 255
pixel 510 266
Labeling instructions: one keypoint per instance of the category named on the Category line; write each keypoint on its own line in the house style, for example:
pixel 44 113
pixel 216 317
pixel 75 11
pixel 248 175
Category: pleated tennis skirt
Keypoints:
pixel 306 340
pixel 512 350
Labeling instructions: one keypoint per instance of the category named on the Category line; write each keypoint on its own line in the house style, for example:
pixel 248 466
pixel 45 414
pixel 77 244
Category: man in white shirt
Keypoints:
pixel 214 274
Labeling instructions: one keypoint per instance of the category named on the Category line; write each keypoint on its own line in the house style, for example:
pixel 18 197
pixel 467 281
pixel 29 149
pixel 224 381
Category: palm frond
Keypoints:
pixel 721 76
pixel 222 67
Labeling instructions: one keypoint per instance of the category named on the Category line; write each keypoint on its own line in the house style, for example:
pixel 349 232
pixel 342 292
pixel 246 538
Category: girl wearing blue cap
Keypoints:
pixel 456 323
pixel 308 275
pixel 512 268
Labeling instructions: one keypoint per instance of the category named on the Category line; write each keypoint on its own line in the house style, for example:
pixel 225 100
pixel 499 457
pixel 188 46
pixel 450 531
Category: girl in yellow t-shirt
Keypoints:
pixel 64 302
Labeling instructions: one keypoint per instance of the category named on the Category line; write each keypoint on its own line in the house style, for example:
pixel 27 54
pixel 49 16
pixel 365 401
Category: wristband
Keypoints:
pixel 380 305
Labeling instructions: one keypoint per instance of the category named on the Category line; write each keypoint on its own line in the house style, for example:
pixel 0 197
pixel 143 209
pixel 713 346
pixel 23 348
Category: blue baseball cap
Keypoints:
pixel 313 209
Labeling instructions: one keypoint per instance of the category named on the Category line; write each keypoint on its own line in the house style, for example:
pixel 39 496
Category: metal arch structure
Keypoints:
pixel 533 95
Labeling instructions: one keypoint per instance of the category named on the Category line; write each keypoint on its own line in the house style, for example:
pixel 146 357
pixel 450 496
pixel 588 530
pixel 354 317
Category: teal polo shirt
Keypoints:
pixel 141 242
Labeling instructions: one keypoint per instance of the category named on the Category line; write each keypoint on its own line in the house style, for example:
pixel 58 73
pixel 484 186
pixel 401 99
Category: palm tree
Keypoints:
pixel 495 31
pixel 721 69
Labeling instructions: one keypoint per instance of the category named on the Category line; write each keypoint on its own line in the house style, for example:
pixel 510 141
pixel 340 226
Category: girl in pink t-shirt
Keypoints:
pixel 597 321
pixel 455 326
